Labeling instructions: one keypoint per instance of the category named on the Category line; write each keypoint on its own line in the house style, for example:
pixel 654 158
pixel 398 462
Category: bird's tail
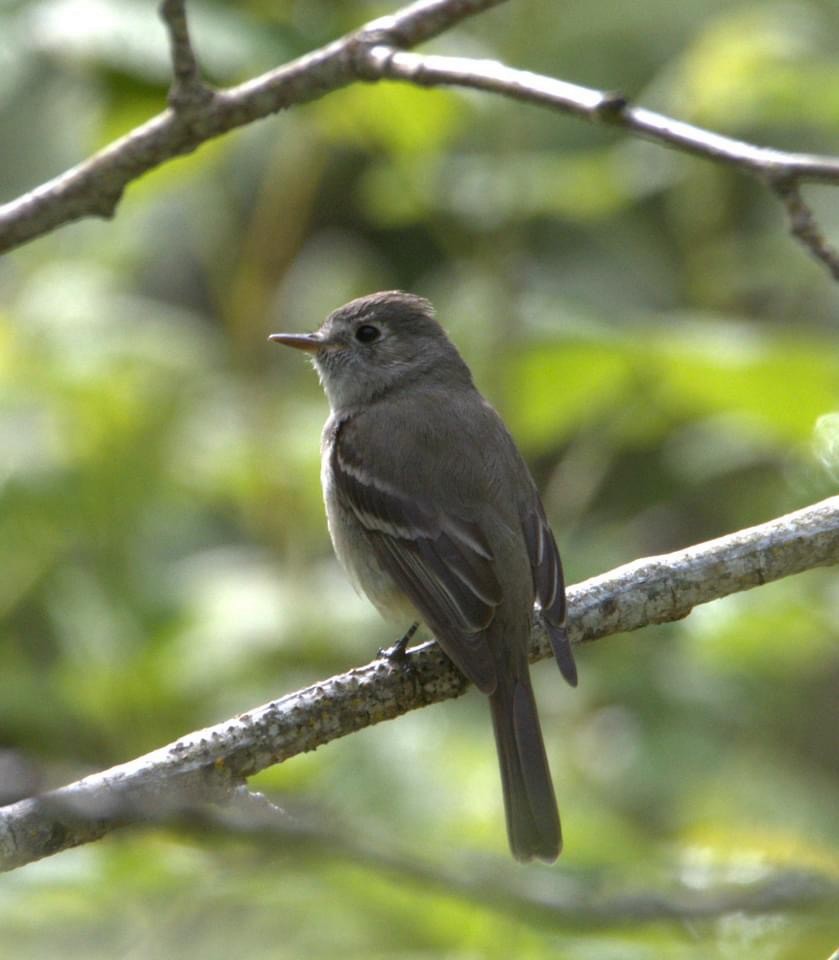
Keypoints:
pixel 529 802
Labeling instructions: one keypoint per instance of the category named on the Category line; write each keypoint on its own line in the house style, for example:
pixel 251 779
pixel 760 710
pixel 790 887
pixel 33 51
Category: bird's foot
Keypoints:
pixel 397 653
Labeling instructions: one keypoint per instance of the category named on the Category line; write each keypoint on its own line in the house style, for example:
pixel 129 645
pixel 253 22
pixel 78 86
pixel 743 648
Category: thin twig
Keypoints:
pixel 802 224
pixel 597 106
pixel 208 765
pixel 187 91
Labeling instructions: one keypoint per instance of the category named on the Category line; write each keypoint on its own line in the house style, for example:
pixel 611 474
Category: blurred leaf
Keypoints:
pixel 560 387
pixel 757 65
pixel 396 118
pixel 771 633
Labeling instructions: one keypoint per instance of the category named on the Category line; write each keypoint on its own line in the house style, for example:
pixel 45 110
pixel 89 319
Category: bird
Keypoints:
pixel 435 517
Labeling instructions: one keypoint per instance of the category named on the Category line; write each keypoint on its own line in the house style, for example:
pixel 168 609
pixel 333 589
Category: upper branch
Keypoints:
pixel 782 170
pixel 95 186
pixel 208 764
pixel 374 52
pixel 599 106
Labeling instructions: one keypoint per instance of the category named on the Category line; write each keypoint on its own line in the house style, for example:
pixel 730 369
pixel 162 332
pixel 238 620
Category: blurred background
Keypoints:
pixel 665 354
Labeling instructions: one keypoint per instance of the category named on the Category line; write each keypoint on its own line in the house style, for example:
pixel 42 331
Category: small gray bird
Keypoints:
pixel 435 517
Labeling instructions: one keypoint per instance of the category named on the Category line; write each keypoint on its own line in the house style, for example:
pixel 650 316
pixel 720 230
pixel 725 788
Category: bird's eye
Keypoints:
pixel 367 333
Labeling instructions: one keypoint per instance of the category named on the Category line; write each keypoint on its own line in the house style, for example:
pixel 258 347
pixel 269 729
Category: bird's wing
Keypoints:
pixel 441 562
pixel 549 585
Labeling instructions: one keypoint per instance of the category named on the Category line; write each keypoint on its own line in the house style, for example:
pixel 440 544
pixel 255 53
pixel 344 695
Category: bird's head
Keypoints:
pixel 376 344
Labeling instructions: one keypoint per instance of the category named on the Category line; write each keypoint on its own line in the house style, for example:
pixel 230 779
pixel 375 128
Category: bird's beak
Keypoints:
pixel 310 342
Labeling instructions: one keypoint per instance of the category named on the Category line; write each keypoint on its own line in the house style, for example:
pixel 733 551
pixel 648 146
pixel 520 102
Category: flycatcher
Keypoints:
pixel 435 517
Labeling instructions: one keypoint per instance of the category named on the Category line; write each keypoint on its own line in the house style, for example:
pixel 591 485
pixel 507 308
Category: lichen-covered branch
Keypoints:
pixel 208 765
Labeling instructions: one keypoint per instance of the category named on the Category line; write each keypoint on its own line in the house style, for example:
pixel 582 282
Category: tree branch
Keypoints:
pixel 598 106
pixel 94 187
pixel 375 52
pixel 784 171
pixel 208 765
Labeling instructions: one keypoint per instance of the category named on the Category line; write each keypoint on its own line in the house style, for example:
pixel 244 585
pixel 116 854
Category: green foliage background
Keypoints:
pixel 667 357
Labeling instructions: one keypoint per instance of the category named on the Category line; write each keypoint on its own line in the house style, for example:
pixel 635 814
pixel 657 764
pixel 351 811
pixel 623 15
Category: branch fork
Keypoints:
pixel 188 92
